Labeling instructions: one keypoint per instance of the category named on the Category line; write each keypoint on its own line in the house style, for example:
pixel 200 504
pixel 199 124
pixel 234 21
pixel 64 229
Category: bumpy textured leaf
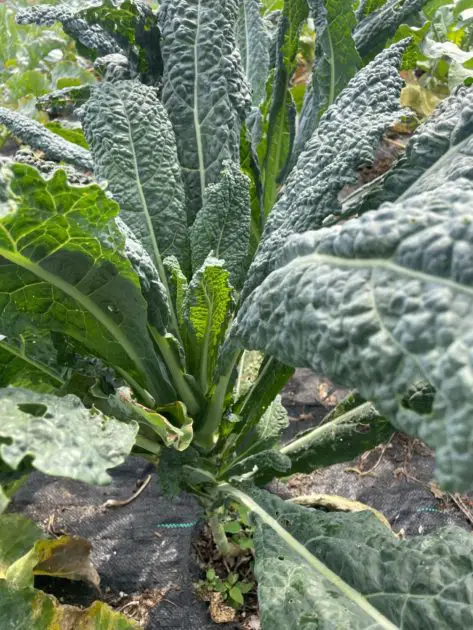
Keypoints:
pixel 64 101
pixel 142 170
pixel 341 438
pixel 37 136
pixel 336 60
pixel 222 225
pixel 32 609
pixel 105 27
pixel 384 301
pixel 199 51
pixel 346 138
pixel 134 25
pixel 375 29
pixel 29 361
pixel 63 269
pixel 62 436
pixel 449 124
pixel 253 41
pixel 424 582
pixel 206 311
pixel 279 124
pixel 152 288
pixel 92 38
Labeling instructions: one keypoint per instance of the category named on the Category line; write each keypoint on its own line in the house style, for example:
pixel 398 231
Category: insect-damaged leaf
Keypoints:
pixel 61 436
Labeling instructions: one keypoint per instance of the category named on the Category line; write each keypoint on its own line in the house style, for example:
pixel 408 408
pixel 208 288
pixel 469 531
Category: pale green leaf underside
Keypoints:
pixel 424 582
pixel 62 436
pixel 383 302
pixel 29 361
pixel 206 120
pixel 206 310
pixel 141 167
pixel 63 269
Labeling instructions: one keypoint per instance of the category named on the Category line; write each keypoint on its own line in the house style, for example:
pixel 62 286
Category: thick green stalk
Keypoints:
pixel 148 445
pixel 206 437
pixel 177 376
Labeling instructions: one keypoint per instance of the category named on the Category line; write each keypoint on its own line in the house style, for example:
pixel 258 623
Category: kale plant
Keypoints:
pixel 217 225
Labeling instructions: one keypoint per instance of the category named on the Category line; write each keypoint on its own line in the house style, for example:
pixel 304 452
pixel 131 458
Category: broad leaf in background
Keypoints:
pixel 93 42
pixel 278 125
pixel 253 41
pixel 380 25
pixel 222 225
pixel 381 314
pixel 206 121
pixel 63 269
pixel 206 312
pixel 347 137
pixel 105 27
pixel 336 62
pixel 63 437
pixel 135 27
pixel 142 171
pixel 37 136
pixel 449 124
pixel 354 566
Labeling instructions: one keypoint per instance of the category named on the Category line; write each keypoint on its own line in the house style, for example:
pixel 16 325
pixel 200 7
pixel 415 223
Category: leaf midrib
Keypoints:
pixel 195 109
pixel 36 364
pixel 380 263
pixel 90 306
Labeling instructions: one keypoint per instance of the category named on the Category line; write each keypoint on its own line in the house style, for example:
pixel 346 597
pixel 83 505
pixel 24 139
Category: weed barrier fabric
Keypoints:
pixel 133 546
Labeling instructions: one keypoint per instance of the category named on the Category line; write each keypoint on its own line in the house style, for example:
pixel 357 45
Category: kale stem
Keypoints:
pixel 148 445
pixel 206 436
pixel 182 386
pixel 218 533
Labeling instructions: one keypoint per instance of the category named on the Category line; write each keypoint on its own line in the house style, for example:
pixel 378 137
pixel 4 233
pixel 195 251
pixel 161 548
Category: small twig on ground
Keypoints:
pixel 456 498
pixel 51 529
pixel 113 503
pixel 370 471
